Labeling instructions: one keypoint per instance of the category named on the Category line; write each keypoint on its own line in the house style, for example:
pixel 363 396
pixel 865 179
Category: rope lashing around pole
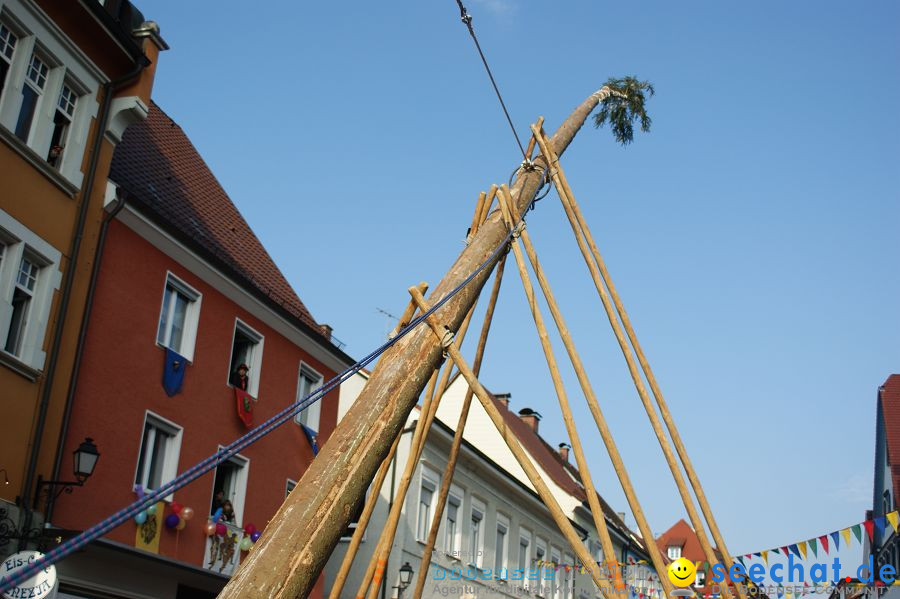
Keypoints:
pixel 206 465
pixel 447 339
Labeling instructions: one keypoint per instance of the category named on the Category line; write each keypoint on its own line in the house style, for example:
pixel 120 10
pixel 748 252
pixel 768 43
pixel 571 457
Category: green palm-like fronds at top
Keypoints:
pixel 621 105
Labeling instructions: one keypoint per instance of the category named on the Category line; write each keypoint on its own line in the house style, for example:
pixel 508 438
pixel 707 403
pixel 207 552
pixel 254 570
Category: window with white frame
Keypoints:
pixel 540 556
pixel 62 122
pixel 178 317
pixel 568 576
pixel 246 350
pixel 289 486
pixel 500 552
pixel 158 456
pixel 673 551
pixel 230 488
pixel 524 550
pixel 452 513
pixel 308 380
pixel 32 91
pixel 476 533
pixel 29 274
pixel 8 41
pixel 700 580
pixel 427 497
pixel 555 582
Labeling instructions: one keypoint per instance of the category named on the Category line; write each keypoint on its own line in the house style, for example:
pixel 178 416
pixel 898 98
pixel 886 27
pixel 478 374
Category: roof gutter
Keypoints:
pixel 109 89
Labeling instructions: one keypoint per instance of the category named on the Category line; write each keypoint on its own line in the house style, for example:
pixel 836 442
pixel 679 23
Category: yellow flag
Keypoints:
pixel 146 536
pixel 894 519
pixel 846 534
pixel 802 548
pixel 765 556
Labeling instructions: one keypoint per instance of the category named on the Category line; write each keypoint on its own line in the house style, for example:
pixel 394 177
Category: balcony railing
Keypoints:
pixel 223 554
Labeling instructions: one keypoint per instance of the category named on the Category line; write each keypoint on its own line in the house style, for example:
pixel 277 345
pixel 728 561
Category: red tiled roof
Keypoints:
pixel 889 395
pixel 165 175
pixel 682 535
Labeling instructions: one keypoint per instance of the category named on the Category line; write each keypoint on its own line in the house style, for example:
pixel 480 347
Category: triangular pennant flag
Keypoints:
pixel 857 532
pixel 845 532
pixel 881 523
pixel 823 540
pixel 758 553
pixel 894 519
pixel 836 539
pixel 785 551
pixel 870 529
pixel 794 549
pixel 765 556
pixel 802 547
pixel 814 546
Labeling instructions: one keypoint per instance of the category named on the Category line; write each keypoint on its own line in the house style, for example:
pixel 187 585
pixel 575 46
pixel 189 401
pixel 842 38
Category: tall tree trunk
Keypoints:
pixel 296 543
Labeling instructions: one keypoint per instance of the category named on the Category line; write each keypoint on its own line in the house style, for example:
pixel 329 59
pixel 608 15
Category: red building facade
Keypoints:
pixel 181 270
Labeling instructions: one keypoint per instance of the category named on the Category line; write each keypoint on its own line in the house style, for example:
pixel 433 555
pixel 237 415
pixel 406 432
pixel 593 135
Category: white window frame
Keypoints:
pixel 540 546
pixel 431 481
pixel 191 316
pixel 453 544
pixel 239 497
pixel 673 551
pixel 172 451
pixel 255 355
pixel 311 416
pixel 37 34
pixel 568 577
pixel 503 561
pixel 21 241
pixel 524 535
pixel 289 486
pixel 475 546
pixel 555 590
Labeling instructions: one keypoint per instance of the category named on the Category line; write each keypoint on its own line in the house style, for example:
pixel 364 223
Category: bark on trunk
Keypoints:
pixel 296 543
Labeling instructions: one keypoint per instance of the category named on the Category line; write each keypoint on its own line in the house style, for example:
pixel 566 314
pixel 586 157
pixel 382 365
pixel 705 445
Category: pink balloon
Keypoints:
pixel 221 529
pixel 249 528
pixel 210 529
pixel 186 513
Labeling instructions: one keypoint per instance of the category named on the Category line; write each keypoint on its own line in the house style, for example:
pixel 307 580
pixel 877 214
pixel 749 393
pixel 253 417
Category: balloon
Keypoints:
pixel 176 507
pixel 216 515
pixel 249 528
pixel 172 521
pixel 140 517
pixel 220 529
pixel 246 544
pixel 210 529
pixel 186 513
pixel 151 510
pixel 255 536
pixel 181 524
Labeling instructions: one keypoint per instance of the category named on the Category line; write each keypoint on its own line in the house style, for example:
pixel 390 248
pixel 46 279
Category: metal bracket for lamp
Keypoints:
pixel 65 486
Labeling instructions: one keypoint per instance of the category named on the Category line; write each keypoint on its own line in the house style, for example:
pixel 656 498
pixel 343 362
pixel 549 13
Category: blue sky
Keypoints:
pixel 752 234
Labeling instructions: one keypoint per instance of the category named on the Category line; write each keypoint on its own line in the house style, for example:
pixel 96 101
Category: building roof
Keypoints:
pixel 168 180
pixel 889 396
pixel 682 535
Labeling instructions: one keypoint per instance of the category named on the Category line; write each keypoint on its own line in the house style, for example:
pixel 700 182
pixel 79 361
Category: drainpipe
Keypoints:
pixel 119 204
pixel 109 89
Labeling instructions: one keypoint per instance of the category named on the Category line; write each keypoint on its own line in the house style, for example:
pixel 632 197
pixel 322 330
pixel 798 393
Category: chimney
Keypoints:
pixel 564 451
pixel 621 516
pixel 326 330
pixel 503 398
pixel 530 417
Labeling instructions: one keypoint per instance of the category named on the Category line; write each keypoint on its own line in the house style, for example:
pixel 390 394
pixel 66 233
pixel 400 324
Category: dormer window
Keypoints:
pixel 35 81
pixel 7 48
pixel 62 121
pixel 673 551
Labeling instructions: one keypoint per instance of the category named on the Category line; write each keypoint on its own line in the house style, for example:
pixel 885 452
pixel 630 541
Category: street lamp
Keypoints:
pixel 406 573
pixel 85 458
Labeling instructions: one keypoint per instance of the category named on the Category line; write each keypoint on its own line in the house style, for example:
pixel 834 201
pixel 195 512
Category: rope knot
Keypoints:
pixel 447 339
pixel 517 230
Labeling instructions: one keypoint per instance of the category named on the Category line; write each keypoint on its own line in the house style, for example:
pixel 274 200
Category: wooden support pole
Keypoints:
pixel 378 561
pixel 295 545
pixel 429 410
pixel 341 578
pixel 486 207
pixel 591 492
pixel 408 314
pixel 531 142
pixel 476 218
pixel 515 447
pixel 458 436
pixel 565 195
